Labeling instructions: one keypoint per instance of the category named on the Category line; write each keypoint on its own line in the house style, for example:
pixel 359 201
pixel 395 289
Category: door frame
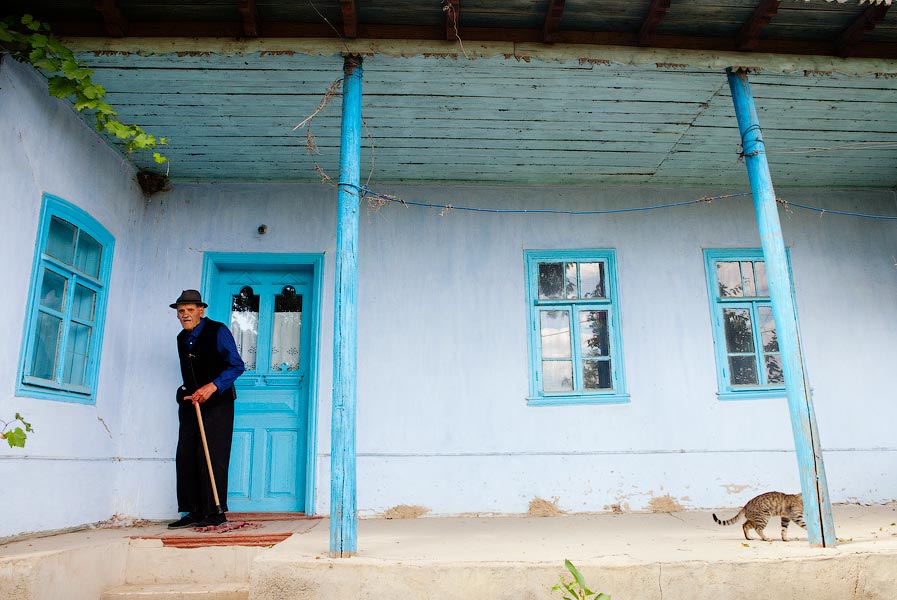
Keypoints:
pixel 214 262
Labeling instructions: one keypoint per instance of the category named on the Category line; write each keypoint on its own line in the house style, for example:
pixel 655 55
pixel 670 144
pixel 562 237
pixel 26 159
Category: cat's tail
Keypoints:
pixel 728 521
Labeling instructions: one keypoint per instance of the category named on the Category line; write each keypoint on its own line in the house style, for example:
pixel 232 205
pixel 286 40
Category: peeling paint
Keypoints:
pixel 405 511
pixel 732 488
pixel 665 503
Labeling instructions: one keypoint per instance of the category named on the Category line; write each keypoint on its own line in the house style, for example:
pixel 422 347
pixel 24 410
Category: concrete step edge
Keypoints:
pixel 229 590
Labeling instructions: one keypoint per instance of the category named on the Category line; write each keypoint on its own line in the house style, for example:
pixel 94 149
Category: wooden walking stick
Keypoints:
pixel 205 447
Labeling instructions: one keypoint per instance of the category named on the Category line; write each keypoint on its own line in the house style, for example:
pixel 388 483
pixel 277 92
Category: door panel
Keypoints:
pixel 265 309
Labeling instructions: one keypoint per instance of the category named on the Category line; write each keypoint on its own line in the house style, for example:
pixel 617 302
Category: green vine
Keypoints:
pixel 15 437
pixel 28 40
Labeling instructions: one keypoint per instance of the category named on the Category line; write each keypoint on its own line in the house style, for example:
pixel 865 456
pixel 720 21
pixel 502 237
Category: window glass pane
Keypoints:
pixel 760 278
pixel 286 329
pixel 84 304
pixel 61 240
pixel 729 276
pixel 739 331
pixel 747 276
pixel 767 329
pixel 596 375
pixel 76 355
pixel 570 280
pixel 774 373
pixel 52 291
pixel 555 328
pixel 591 276
pixel 244 324
pixel 743 370
pixel 46 346
pixel 557 375
pixel 551 281
pixel 593 333
pixel 87 259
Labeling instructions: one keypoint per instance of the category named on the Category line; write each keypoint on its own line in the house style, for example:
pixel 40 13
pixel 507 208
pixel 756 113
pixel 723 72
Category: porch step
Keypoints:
pixel 233 590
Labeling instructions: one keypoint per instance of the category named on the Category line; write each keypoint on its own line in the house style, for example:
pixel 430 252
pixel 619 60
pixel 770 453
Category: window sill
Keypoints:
pixel 752 394
pixel 573 400
pixel 28 391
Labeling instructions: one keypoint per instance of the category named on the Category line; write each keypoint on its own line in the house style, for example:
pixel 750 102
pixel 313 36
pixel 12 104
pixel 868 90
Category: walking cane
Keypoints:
pixel 205 447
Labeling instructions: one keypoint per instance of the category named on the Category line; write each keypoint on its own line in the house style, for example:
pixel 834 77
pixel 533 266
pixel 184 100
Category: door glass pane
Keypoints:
pixel 596 375
pixel 739 332
pixel 570 280
pixel 767 329
pixel 743 370
pixel 747 276
pixel 285 330
pixel 728 275
pixel 760 279
pixel 46 346
pixel 61 240
pixel 244 324
pixel 774 373
pixel 591 277
pixel 557 376
pixel 551 281
pixel 52 291
pixel 593 333
pixel 76 355
pixel 87 259
pixel 84 303
pixel 555 328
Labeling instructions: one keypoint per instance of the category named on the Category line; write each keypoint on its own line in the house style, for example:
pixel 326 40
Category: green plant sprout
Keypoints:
pixel 576 589
pixel 15 437
pixel 28 40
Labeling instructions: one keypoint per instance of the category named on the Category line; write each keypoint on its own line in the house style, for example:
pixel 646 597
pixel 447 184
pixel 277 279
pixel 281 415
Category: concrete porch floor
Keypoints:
pixel 632 556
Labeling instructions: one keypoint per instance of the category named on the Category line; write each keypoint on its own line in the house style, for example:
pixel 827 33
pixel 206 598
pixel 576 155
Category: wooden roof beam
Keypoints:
pixel 749 35
pixel 553 21
pixel 350 18
pixel 452 9
pixel 251 21
pixel 656 12
pixel 847 41
pixel 114 21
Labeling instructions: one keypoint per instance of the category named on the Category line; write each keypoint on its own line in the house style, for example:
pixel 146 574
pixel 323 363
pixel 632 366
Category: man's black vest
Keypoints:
pixel 202 364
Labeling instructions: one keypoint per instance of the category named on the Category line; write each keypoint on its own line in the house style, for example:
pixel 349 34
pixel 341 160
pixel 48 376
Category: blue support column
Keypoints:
pixel 817 505
pixel 343 510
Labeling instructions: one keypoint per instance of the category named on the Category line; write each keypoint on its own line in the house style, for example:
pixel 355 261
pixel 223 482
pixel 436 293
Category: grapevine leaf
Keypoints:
pixel 16 438
pixel 60 87
pixel 39 40
pixel 159 158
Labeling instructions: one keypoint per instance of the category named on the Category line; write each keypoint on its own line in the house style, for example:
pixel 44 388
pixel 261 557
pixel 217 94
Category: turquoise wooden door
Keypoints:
pixel 269 314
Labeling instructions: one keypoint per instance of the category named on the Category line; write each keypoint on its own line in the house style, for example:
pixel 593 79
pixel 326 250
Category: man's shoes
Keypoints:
pixel 212 521
pixel 188 520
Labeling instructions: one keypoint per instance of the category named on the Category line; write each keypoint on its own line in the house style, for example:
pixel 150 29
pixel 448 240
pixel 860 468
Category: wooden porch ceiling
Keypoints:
pixel 441 106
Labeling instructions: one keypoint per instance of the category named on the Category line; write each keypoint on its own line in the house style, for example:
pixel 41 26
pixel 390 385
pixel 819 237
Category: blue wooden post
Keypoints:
pixel 343 511
pixel 817 505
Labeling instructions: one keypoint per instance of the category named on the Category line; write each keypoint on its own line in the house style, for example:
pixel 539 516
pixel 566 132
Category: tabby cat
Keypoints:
pixel 771 504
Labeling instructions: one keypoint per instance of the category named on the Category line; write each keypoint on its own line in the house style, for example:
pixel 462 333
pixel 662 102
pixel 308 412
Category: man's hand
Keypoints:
pixel 203 393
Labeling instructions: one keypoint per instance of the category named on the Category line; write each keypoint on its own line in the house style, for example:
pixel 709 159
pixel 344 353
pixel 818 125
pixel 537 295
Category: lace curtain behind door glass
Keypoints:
pixel 244 324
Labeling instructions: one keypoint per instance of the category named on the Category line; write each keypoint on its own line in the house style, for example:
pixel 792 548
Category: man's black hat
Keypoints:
pixel 189 297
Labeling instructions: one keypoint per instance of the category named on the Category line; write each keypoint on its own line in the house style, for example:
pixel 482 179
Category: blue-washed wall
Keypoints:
pixel 442 359
pixel 442 370
pixel 67 473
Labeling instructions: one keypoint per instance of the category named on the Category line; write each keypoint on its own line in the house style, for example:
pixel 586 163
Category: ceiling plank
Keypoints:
pixel 251 20
pixel 114 21
pixel 749 36
pixel 350 18
pixel 847 42
pixel 656 12
pixel 553 21
pixel 452 10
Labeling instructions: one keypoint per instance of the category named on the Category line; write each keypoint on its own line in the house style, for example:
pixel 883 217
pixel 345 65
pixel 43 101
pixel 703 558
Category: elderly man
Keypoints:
pixel 210 363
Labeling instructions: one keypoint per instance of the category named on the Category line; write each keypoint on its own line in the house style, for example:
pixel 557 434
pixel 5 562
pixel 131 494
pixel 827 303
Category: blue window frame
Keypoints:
pixel 66 305
pixel 575 343
pixel 748 361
